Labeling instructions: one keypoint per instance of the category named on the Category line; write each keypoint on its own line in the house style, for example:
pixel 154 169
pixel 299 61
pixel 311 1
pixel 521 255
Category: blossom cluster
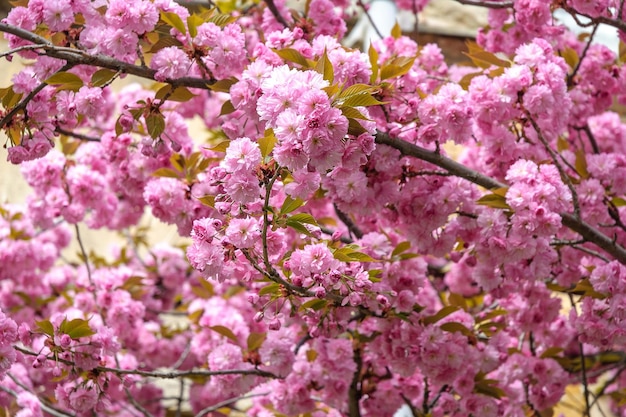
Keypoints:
pixel 334 259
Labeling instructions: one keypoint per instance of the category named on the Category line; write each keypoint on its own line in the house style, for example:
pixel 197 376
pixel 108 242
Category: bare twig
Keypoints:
pixel 76 135
pixel 227 402
pixel 372 23
pixel 570 77
pixel 490 4
pixel 557 164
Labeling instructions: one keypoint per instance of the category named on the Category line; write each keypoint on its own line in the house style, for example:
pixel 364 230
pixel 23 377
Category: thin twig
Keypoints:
pixel 46 407
pixel 557 164
pixel 158 374
pixel 76 135
pixel 345 219
pixel 24 102
pixel 490 4
pixel 229 401
pixel 570 77
pixel 360 3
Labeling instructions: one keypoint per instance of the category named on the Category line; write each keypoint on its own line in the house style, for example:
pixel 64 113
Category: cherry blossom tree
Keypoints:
pixel 337 260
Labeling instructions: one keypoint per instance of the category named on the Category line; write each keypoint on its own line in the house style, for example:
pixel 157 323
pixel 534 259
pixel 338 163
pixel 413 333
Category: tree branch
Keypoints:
pixel 78 57
pixel 354 392
pixel 272 6
pixel 490 4
pixel 163 375
pixel 588 232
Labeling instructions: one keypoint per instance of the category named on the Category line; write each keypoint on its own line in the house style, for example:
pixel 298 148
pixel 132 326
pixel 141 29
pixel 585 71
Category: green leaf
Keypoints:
pixel 401 247
pixel 164 42
pixel 208 200
pixel 581 164
pixel 226 332
pixel 485 388
pixel 65 81
pixel 618 202
pixel 355 128
pixel 174 21
pixel 551 352
pixel 290 205
pixel 102 77
pixel 167 173
pixel 455 327
pixel 314 304
pixel 291 55
pixel 356 89
pixel 492 314
pixel 193 22
pixel 155 123
pixel 76 328
pixel 297 222
pixel 9 98
pixel 493 201
pixel 224 85
pixel 444 312
pixel 227 108
pixel 570 56
pixel 373 56
pixel 396 67
pixel 466 80
pixel 267 142
pixel 303 218
pixel 180 94
pixel 482 58
pixel 270 289
pixel 361 257
pixel 221 147
pixel 325 67
pixel 223 19
pixel 342 254
pixel 46 327
pixel 396 31
pixel 255 340
pixel 361 100
pixel 351 112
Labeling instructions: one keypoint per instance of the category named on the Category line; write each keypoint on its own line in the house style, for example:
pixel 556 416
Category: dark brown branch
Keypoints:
pixel 569 220
pixel 490 4
pixel 24 102
pixel 453 167
pixel 616 23
pixel 272 6
pixel 163 375
pixel 352 228
pixel 78 57
pixel 354 392
pixel 76 135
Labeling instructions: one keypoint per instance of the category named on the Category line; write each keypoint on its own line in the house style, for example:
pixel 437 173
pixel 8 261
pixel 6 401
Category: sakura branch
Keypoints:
pixel 489 4
pixel 571 221
pixel 78 57
pixel 157 374
pixel 440 295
